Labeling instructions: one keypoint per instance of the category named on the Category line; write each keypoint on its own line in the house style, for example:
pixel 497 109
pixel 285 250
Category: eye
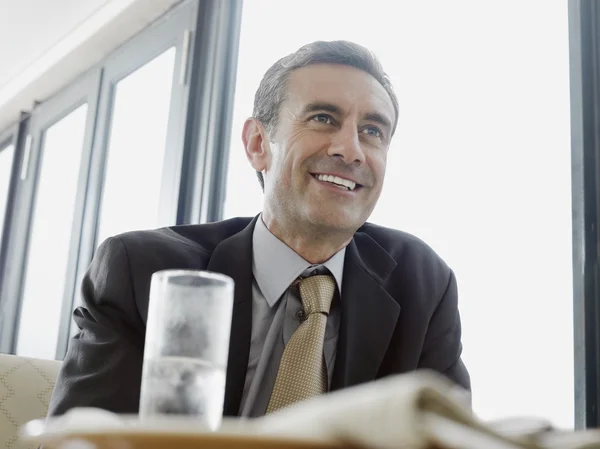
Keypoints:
pixel 326 119
pixel 373 131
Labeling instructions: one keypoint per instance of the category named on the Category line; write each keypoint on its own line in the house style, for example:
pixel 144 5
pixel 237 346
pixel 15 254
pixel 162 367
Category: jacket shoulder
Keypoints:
pixel 200 238
pixel 399 244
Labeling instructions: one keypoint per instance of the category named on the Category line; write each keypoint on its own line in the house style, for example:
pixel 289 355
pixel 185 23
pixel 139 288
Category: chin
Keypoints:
pixel 341 222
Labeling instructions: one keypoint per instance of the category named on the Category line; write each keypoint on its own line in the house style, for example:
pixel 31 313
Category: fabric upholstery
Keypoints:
pixel 25 389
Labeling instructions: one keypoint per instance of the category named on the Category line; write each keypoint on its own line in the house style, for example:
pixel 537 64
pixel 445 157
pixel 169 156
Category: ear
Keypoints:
pixel 256 144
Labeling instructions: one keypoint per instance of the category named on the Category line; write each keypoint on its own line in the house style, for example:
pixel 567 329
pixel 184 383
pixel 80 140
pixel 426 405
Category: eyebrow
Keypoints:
pixel 328 107
pixel 321 106
pixel 378 118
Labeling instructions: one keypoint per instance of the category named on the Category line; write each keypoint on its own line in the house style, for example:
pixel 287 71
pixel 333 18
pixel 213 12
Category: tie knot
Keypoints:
pixel 316 293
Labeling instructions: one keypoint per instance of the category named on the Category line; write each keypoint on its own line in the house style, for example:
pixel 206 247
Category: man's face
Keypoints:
pixel 325 161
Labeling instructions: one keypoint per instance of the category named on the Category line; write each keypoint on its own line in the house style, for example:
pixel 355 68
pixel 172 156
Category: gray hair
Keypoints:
pixel 272 89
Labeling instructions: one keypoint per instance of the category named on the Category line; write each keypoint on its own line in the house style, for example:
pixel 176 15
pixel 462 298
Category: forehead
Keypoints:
pixel 344 86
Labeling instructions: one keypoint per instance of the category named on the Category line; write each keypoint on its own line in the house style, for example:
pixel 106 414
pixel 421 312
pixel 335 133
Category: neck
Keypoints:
pixel 314 247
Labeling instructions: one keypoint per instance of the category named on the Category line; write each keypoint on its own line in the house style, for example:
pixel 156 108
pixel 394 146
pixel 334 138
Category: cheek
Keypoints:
pixel 283 170
pixel 378 166
pixel 302 152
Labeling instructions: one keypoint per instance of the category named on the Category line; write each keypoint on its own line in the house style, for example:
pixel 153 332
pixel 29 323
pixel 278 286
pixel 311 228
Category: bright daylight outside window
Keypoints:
pixel 479 168
pixel 137 205
pixel 48 251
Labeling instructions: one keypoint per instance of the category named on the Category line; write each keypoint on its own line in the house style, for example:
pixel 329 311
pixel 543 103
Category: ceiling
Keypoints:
pixel 45 44
pixel 28 28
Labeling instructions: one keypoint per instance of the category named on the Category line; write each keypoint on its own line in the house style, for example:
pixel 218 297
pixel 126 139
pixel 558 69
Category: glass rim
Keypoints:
pixel 202 274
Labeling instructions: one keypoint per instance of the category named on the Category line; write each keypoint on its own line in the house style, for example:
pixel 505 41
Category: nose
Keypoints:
pixel 346 145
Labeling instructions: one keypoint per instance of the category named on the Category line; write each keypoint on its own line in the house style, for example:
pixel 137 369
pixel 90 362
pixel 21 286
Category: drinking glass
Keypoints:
pixel 187 344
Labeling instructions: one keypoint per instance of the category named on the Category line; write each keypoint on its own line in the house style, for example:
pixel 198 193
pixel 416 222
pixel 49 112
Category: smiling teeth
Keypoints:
pixel 338 181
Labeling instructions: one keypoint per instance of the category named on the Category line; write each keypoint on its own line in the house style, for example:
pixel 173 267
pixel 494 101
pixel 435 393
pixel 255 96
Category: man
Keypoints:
pixel 318 139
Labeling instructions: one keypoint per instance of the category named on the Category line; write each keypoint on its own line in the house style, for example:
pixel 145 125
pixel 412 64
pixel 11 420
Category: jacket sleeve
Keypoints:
pixel 442 347
pixel 103 364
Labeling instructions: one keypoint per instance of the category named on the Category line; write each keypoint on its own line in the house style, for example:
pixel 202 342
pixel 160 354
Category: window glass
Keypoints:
pixel 136 149
pixel 50 236
pixel 479 168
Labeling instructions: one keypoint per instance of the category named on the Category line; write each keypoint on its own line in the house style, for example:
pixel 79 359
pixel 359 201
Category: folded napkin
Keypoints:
pixel 418 410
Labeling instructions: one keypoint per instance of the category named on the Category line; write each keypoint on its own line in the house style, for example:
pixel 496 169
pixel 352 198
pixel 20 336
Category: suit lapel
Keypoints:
pixel 365 306
pixel 233 257
pixel 369 314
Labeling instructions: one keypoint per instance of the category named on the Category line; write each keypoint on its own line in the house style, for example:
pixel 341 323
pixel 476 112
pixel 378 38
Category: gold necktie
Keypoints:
pixel 302 372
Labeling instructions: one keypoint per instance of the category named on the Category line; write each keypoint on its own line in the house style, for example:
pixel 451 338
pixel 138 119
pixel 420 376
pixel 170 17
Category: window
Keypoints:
pixel 45 227
pixel 479 169
pixel 118 149
pixel 136 149
pixel 50 239
pixel 138 144
pixel 106 158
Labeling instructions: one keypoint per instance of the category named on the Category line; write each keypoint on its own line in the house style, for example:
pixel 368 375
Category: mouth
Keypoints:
pixel 336 181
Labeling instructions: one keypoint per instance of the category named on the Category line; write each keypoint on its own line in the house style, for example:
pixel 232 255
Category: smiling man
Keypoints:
pixel 323 300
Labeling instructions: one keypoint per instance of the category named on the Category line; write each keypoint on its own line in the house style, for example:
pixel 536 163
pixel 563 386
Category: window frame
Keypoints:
pixel 45 115
pixel 8 137
pixel 205 34
pixel 584 47
pixel 209 120
pixel 174 29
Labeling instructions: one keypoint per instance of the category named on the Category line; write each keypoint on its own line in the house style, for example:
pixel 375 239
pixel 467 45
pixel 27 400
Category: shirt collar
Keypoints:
pixel 275 265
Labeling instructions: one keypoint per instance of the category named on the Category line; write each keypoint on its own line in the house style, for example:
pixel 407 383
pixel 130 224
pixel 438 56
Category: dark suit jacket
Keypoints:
pixel 398 311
